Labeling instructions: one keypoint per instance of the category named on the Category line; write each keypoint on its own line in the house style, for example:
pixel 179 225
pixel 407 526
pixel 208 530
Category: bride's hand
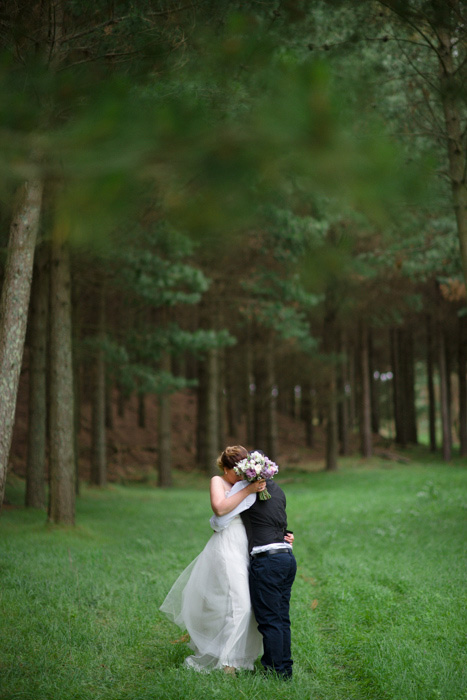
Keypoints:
pixel 257 486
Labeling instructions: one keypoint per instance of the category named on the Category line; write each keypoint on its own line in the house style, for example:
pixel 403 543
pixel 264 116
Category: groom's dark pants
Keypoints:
pixel 271 577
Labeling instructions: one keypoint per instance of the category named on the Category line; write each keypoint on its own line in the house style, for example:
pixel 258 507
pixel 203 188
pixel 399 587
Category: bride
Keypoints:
pixel 211 598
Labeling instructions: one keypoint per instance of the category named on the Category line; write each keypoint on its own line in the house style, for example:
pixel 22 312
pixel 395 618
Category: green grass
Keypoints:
pixel 378 608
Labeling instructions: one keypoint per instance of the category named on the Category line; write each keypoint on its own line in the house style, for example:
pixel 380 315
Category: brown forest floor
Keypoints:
pixel 132 450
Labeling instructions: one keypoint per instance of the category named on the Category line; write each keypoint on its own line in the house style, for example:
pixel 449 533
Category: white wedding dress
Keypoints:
pixel 211 600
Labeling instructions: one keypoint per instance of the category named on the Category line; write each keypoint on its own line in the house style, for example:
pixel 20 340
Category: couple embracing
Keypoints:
pixel 233 599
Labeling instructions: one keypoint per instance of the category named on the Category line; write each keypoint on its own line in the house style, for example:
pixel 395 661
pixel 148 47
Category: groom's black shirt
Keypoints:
pixel 266 521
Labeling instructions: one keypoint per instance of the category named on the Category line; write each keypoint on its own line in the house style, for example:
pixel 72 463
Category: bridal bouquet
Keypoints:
pixel 255 467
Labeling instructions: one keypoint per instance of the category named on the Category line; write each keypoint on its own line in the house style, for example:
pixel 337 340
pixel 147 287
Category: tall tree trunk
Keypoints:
pixel 212 410
pixel 249 397
pixel 61 423
pixel 366 444
pixel 330 388
pixel 207 420
pixel 343 414
pixel 221 402
pixel 307 412
pixel 398 389
pixel 265 437
pixel 271 441
pixel 98 431
pixel 443 380
pixel 374 385
pixel 332 438
pixel 37 423
pixel 141 410
pixel 14 304
pixel 462 370
pixel 201 428
pixel 430 384
pixel 352 384
pixel 232 401
pixel 451 103
pixel 164 433
pixel 407 351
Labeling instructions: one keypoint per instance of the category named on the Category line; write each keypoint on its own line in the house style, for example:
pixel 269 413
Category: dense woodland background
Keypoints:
pixel 229 221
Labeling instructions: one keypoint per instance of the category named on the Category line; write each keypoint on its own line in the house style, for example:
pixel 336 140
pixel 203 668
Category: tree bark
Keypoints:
pixel 307 413
pixel 407 350
pixel 398 392
pixel 455 138
pixel 61 424
pixel 462 370
pixel 37 422
pixel 208 424
pixel 343 413
pixel 366 443
pixel 430 384
pixel 374 386
pixel 164 433
pixel 98 430
pixel 249 397
pixel 265 430
pixel 221 402
pixel 443 379
pixel 332 438
pixel 14 304
pixel 232 400
pixel 330 385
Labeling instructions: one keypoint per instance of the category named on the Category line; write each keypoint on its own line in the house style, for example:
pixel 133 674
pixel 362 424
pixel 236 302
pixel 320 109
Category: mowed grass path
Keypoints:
pixel 378 609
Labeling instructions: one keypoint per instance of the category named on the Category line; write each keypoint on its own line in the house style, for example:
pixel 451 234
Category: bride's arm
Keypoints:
pixel 222 505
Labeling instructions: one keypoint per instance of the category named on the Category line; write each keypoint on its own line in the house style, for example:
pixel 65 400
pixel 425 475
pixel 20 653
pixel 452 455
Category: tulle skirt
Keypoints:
pixel 211 600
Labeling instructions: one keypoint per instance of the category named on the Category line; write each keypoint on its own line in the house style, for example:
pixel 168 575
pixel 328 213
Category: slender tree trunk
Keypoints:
pixel 332 438
pixel 365 412
pixel 374 385
pixel 462 370
pixel 221 402
pixel 330 391
pixel 398 390
pixel 164 433
pixel 446 426
pixel 201 427
pixel 14 304
pixel 109 417
pixel 430 384
pixel 343 399
pixel 271 441
pixel 409 386
pixel 98 431
pixel 208 424
pixel 37 423
pixel 141 410
pixel 232 384
pixel 307 413
pixel 61 424
pixel 212 409
pixel 76 323
pixel 451 103
pixel 249 396
pixel 265 430
pixel 353 393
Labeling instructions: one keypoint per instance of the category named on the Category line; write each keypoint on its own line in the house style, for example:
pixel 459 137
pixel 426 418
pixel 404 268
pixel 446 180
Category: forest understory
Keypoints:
pixel 132 450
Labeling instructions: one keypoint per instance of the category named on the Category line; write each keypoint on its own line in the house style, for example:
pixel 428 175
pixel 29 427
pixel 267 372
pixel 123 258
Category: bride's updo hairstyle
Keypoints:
pixel 231 456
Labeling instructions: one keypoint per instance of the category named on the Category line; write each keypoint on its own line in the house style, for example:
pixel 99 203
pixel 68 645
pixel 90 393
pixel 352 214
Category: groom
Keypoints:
pixel 272 573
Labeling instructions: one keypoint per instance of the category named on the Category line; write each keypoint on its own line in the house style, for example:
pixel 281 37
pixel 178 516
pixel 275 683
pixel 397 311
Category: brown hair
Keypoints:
pixel 231 456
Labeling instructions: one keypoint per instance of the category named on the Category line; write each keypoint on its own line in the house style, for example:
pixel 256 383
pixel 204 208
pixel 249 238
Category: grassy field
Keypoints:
pixel 378 609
